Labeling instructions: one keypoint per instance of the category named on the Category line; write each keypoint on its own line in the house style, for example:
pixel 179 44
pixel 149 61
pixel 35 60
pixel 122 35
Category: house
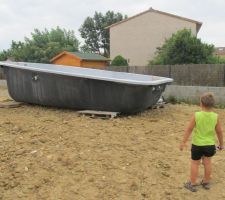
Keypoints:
pixel 137 38
pixel 79 59
pixel 219 51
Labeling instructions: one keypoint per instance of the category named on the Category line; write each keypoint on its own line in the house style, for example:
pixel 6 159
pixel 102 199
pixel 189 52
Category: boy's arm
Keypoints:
pixel 188 132
pixel 219 133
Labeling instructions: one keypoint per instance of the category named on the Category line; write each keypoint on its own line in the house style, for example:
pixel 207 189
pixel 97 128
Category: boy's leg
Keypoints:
pixel 196 155
pixel 194 171
pixel 207 169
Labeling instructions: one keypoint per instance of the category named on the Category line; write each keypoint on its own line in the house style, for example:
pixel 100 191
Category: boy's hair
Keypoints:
pixel 207 100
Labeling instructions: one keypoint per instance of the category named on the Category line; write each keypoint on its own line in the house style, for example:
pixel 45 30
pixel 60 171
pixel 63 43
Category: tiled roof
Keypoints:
pixel 219 50
pixel 89 56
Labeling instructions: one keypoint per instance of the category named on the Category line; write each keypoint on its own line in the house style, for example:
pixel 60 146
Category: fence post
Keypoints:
pixel 224 75
pixel 169 71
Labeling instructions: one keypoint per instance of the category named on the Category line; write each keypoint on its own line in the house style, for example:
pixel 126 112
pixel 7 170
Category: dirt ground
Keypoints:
pixel 55 154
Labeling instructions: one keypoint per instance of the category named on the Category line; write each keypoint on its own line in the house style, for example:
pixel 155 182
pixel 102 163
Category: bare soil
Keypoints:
pixel 55 154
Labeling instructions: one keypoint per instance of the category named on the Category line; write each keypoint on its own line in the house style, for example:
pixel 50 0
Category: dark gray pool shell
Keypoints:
pixel 82 88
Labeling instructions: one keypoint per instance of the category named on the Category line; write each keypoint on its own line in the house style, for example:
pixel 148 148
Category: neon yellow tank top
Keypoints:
pixel 204 131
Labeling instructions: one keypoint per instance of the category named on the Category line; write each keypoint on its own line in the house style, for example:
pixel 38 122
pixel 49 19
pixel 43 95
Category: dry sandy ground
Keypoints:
pixel 54 154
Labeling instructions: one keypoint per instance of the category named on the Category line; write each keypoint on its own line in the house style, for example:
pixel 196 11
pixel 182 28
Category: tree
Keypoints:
pixel 3 55
pixel 95 34
pixel 42 46
pixel 119 61
pixel 184 48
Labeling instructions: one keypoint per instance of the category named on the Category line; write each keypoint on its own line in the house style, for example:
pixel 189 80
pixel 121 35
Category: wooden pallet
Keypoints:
pixel 99 114
pixel 10 104
pixel 160 104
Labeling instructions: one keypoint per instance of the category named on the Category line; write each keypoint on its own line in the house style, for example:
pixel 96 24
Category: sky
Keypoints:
pixel 18 18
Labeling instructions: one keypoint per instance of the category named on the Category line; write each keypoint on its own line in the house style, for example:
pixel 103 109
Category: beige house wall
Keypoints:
pixel 137 39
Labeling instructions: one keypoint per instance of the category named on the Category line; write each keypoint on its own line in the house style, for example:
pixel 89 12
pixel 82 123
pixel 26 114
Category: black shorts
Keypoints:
pixel 197 152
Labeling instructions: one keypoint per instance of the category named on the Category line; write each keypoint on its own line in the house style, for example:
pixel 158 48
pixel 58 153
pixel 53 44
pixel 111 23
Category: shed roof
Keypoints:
pixel 82 56
pixel 198 24
pixel 89 56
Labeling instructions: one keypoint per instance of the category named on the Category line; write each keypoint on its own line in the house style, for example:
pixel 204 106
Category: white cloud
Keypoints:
pixel 19 18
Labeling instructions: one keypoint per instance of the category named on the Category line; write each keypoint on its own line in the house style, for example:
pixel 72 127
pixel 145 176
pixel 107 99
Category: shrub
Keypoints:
pixel 216 60
pixel 184 48
pixel 172 100
pixel 119 61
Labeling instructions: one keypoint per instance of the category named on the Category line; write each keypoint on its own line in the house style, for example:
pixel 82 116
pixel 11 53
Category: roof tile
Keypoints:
pixel 89 56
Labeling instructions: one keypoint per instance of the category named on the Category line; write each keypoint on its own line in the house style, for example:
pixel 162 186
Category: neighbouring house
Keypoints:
pixel 78 59
pixel 136 38
pixel 220 51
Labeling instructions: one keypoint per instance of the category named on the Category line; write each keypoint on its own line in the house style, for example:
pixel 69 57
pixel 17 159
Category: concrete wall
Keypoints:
pixel 192 93
pixel 193 74
pixel 137 38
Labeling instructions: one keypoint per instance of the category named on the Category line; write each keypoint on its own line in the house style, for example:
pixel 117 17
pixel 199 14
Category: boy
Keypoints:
pixel 203 126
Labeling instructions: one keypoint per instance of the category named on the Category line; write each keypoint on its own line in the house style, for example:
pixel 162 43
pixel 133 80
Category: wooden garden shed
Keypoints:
pixel 79 59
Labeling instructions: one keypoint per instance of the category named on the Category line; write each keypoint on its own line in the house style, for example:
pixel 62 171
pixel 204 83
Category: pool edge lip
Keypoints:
pixel 74 71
